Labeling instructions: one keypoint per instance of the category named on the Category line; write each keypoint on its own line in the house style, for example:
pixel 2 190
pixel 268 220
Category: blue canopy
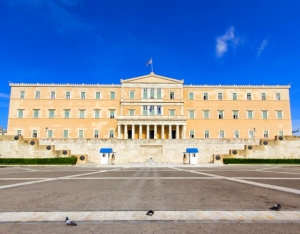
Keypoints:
pixel 191 150
pixel 106 150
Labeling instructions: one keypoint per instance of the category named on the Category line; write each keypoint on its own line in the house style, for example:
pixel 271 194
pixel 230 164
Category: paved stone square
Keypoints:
pixel 186 199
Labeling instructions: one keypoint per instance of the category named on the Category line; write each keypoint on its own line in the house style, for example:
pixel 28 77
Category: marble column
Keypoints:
pixel 119 131
pixel 177 131
pixel 125 132
pixel 148 127
pixel 155 131
pixel 140 131
pixel 162 131
pixel 170 131
pixel 132 131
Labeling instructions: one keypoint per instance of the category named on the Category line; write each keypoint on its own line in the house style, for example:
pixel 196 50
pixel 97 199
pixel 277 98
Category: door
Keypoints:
pixel 173 134
pixel 129 132
pixel 151 134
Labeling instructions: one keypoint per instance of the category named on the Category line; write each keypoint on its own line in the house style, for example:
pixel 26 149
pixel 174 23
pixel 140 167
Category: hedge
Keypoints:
pixel 56 161
pixel 261 161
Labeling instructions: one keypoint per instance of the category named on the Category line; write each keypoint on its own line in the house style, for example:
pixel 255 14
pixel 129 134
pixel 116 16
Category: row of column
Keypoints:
pixel 178 127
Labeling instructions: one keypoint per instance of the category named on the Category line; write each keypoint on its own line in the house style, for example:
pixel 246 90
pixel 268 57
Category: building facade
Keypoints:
pixel 148 107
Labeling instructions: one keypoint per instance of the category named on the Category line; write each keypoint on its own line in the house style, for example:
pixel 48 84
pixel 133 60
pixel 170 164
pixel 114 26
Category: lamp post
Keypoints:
pixel 254 133
pixel 2 131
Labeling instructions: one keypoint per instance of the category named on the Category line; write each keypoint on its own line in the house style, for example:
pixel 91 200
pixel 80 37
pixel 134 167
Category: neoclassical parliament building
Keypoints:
pixel 149 107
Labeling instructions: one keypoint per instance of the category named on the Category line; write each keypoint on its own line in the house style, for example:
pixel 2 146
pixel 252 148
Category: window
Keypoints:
pixel 234 96
pixel 158 93
pixel 36 113
pixel 67 114
pixel 81 114
pixel 52 95
pixel 131 112
pixel 131 94
pixel 250 114
pixel 191 96
pixel 151 110
pixel 66 133
pixel 264 114
pixel 34 133
pixel 192 133
pixel 112 95
pixel 145 93
pixel 111 114
pixel 191 114
pixel 50 133
pixel 221 134
pixel 235 114
pixel 221 114
pixel 37 94
pixel 151 93
pixel 248 96
pixel 172 95
pixel 206 114
pixel 266 134
pixel 206 133
pixel 263 96
pixel 20 114
pixel 80 134
pixel 159 110
pixel 19 132
pixel 280 133
pixel 251 134
pixel 205 96
pixel 220 96
pixel 277 96
pixel 97 114
pixel 98 95
pixel 22 94
pixel 111 133
pixel 96 133
pixel 51 114
pixel 68 95
pixel 82 95
pixel 279 114
pixel 145 110
pixel 236 134
pixel 171 112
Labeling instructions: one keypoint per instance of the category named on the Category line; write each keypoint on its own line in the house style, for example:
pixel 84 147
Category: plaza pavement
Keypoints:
pixel 204 198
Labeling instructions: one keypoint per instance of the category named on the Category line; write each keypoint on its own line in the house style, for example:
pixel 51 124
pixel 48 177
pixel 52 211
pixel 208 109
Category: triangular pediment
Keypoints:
pixel 152 79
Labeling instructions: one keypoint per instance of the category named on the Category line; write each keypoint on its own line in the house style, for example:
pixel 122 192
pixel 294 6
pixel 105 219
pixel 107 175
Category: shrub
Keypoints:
pixel 261 160
pixel 26 161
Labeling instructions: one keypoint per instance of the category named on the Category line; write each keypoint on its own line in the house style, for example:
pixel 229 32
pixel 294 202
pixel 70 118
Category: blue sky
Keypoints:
pixel 200 41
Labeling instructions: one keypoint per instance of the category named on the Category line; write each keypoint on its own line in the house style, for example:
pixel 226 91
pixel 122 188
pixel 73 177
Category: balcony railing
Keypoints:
pixel 151 117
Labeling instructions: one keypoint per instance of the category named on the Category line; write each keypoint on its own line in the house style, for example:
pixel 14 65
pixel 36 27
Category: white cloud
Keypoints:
pixel 3 95
pixel 222 42
pixel 262 47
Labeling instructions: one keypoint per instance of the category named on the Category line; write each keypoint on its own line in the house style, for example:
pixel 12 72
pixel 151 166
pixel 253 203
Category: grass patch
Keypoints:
pixel 34 161
pixel 260 161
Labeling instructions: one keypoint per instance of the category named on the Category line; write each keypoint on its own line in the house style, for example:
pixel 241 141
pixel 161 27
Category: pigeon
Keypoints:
pixel 276 207
pixel 150 212
pixel 70 222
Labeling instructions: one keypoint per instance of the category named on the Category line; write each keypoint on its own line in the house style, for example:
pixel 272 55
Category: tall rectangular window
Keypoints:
pixel 51 114
pixel 192 133
pixel 96 133
pixel 151 110
pixel 82 95
pixel 98 95
pixel 50 133
pixel 172 95
pixel 20 114
pixel 68 95
pixel 206 133
pixel 191 114
pixel 172 112
pixel 131 94
pixel 111 114
pixel 66 133
pixel 52 95
pixel 22 94
pixel 158 93
pixel 191 96
pixel 131 112
pixel 263 96
pixel 236 134
pixel 250 114
pixel 280 133
pixel 205 96
pixel 264 114
pixel 111 133
pixel 36 113
pixel 97 114
pixel 67 114
pixel 235 114
pixel 249 96
pixel 279 114
pixel 145 93
pixel 159 110
pixel 234 96
pixel 251 133
pixel 112 95
pixel 221 134
pixel 277 96
pixel 221 114
pixel 81 114
pixel 266 134
pixel 220 96
pixel 206 114
pixel 145 110
pixel 37 94
pixel 19 132
pixel 80 134
pixel 151 93
pixel 34 133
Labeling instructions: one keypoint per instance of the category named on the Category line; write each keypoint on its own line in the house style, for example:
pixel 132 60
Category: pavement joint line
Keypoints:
pixel 197 215
pixel 292 173
pixel 274 167
pixel 284 189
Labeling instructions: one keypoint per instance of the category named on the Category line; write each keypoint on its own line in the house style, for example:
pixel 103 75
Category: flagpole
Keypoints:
pixel 152 65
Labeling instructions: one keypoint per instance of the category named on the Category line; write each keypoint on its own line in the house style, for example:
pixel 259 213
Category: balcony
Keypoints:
pixel 151 117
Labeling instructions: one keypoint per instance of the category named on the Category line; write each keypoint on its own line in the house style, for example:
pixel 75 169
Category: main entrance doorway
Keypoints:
pixel 173 134
pixel 151 134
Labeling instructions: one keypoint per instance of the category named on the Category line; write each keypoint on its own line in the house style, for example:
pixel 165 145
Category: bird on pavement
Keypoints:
pixel 150 212
pixel 276 207
pixel 70 222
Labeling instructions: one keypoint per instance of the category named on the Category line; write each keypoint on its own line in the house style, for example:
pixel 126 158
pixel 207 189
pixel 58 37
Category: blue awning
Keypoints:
pixel 191 150
pixel 106 150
